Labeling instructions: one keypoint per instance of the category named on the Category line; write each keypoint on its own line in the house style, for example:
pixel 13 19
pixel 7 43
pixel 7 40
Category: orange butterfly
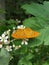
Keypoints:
pixel 25 33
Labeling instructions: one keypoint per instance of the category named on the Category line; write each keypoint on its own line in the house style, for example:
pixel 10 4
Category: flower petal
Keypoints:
pixel 0 45
pixel 22 42
pixel 3 35
pixel 26 43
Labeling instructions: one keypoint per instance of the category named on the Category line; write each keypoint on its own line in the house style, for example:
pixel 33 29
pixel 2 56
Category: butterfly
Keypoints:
pixel 25 33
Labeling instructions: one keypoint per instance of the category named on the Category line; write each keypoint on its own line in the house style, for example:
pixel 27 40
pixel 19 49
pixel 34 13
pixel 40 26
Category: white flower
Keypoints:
pixel 24 42
pixel 8 48
pixel 4 39
pixel 19 21
pixel 3 35
pixel 17 47
pixel 8 32
pixel 0 45
pixel 20 27
pixel 6 42
pixel 14 29
pixel 13 45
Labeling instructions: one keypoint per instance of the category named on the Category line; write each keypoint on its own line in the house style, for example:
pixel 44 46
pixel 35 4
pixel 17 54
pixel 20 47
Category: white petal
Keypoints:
pixel 22 26
pixel 18 27
pixel 0 45
pixel 3 35
pixel 6 37
pixel 5 40
pixel 22 42
pixel 14 28
pixel 8 48
pixel 13 45
pixel 19 46
pixel 26 43
pixel 9 30
pixel 19 21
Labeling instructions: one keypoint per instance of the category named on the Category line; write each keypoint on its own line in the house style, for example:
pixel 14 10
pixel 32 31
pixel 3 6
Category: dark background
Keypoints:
pixel 14 11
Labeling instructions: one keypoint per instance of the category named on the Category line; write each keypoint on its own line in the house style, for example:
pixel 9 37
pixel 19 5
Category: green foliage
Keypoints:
pixel 35 23
pixel 24 62
pixel 4 57
pixel 40 21
pixel 14 10
pixel 37 50
pixel 10 23
pixel 45 63
pixel 38 10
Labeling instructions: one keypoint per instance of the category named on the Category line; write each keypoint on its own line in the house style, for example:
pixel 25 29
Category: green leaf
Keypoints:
pixel 24 62
pixel 4 57
pixel 34 42
pixel 45 63
pixel 11 23
pixel 35 23
pixel 44 35
pixel 29 56
pixel 23 49
pixel 38 10
pixel 17 42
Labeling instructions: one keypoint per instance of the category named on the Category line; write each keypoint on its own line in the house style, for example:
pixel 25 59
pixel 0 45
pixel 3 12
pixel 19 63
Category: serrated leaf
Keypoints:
pixel 35 23
pixel 38 10
pixel 44 35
